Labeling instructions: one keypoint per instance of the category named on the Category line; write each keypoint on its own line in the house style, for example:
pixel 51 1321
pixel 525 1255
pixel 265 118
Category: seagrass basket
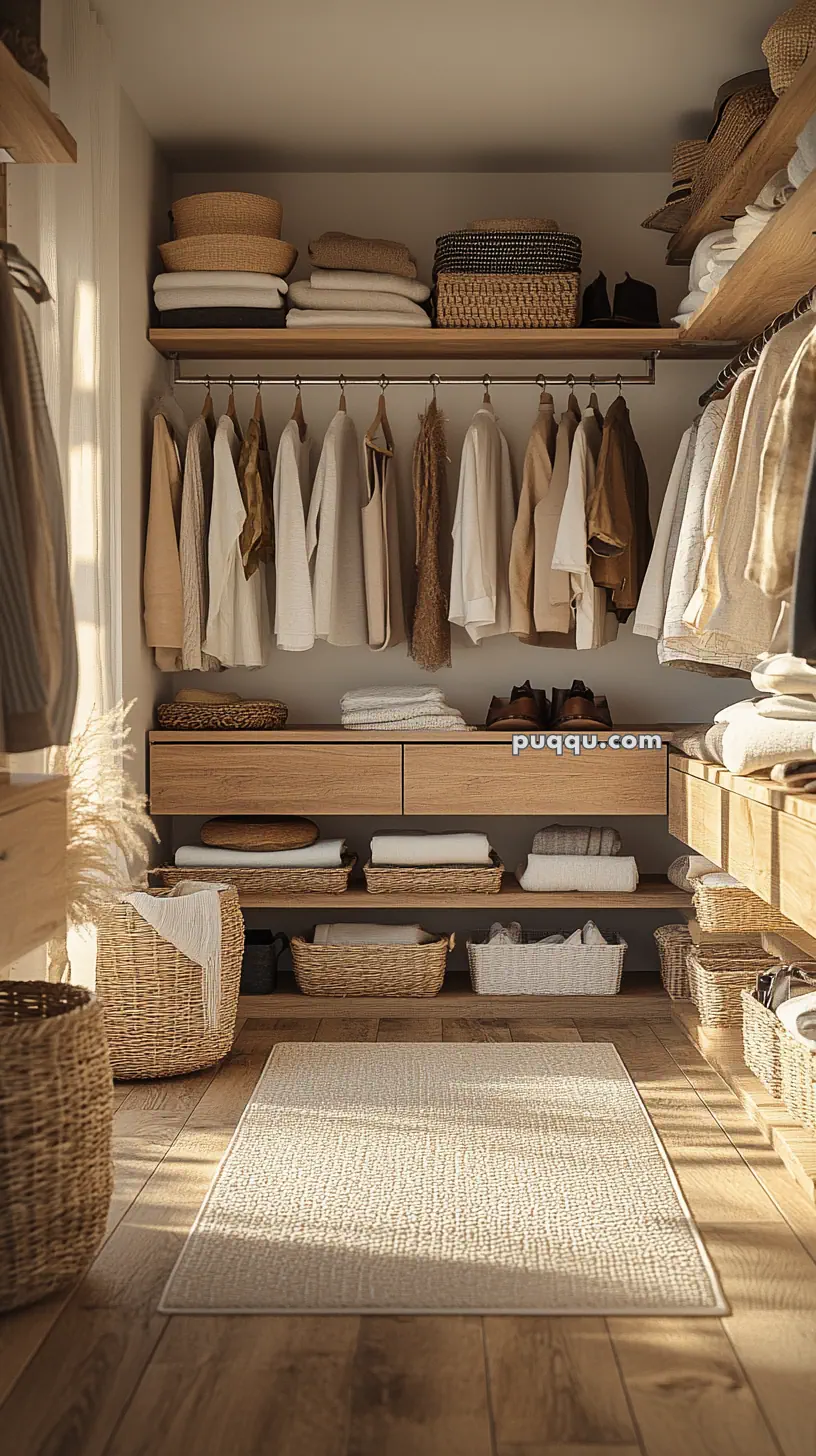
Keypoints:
pixel 673 945
pixel 153 996
pixel 56 1110
pixel 798 1075
pixel 760 1043
pixel 507 300
pixel 532 968
pixel 732 908
pixel 273 880
pixel 228 252
pixel 263 714
pixel 227 212
pixel 370 970
pixel 435 879
pixel 718 976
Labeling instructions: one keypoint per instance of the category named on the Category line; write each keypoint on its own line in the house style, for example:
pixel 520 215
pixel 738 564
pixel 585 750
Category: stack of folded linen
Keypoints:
pixel 363 282
pixel 719 251
pixel 400 709
pixel 414 850
pixel 777 732
pixel 324 854
pixel 578 857
pixel 214 299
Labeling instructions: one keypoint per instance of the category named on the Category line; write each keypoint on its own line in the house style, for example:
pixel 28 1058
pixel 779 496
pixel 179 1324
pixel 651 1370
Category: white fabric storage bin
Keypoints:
pixel 534 969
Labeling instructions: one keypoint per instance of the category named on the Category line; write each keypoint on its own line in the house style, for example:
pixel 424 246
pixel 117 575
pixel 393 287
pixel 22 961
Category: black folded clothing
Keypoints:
pixel 499 252
pixel 223 318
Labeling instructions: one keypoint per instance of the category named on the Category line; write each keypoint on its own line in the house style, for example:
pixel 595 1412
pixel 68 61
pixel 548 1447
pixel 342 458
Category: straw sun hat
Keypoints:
pixel 686 158
pixel 228 231
pixel 788 43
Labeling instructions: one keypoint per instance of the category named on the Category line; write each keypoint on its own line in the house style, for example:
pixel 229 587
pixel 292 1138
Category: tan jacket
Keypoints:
pixel 619 531
pixel 536 480
pixel 552 595
pixel 163 601
pixel 255 479
pixel 381 545
pixel 783 477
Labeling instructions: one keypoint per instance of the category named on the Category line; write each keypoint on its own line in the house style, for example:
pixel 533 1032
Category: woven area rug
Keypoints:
pixel 445 1179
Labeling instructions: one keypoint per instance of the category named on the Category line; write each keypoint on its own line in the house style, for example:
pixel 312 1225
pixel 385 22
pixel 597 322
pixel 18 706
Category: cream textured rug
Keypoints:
pixel 445 1178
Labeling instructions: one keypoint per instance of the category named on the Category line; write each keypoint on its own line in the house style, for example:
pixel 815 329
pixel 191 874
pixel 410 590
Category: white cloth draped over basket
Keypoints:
pixel 189 917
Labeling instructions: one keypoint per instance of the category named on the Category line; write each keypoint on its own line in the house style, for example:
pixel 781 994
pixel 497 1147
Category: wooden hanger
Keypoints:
pixel 297 412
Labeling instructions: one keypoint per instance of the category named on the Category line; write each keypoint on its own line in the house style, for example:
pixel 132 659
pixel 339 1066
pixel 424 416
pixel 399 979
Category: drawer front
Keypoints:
pixel 32 877
pixel 481 779
pixel 271 778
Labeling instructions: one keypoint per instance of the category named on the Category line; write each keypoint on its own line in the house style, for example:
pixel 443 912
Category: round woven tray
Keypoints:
pixel 227 212
pixel 252 834
pixel 152 995
pixel 370 970
pixel 435 879
pixel 228 252
pixel 281 880
pixel 735 909
pixel 507 300
pixel 207 717
pixel 56 1110
pixel 674 943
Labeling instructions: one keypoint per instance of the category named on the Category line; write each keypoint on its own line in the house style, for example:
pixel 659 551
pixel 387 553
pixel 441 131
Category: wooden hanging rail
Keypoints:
pixel 29 130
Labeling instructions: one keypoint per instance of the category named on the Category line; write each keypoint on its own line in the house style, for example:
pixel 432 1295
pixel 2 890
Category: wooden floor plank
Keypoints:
pixel 462 1028
pixel 544 1031
pixel 419 1388
pixel 535 1448
pixel 555 1383
pixel 347 1028
pixel 266 1033
pixel 403 1028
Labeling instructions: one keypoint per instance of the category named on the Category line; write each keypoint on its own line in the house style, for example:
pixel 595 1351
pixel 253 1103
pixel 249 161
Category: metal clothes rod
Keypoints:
pixel 541 380
pixel 750 353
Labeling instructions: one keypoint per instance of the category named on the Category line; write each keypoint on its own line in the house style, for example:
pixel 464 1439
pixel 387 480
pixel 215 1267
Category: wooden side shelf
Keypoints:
pixel 29 130
pixel 769 151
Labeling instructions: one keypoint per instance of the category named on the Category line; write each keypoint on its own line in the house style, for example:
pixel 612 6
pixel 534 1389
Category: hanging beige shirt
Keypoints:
pixel 163 597
pixel 294 611
pixel 334 539
pixel 784 476
pixel 483 531
pixel 237 617
pixel 595 624
pixel 536 480
pixel 552 595
pixel 196 503
pixel 381 542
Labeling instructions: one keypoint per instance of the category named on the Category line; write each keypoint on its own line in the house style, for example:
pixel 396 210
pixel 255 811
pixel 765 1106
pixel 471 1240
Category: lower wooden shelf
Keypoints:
pixel 653 893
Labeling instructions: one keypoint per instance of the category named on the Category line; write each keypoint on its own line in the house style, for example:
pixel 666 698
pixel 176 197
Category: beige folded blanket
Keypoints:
pixel 349 318
pixel 751 743
pixel 342 278
pixel 371 935
pixel 364 255
pixel 325 854
pixel 430 849
pixel 607 874
pixel 305 295
pixel 577 839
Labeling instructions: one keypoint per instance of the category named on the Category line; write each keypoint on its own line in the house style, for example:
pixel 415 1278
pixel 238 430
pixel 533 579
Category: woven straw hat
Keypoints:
pixel 228 252
pixel 686 157
pixel 739 118
pixel 227 212
pixel 513 225
pixel 788 43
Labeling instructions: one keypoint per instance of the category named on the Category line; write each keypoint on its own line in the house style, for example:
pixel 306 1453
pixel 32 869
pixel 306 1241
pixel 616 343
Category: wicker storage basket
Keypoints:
pixel 734 909
pixel 760 1043
pixel 435 879
pixel 152 997
pixel 798 1076
pixel 228 252
pixel 507 300
pixel 56 1110
pixel 370 970
pixel 227 212
pixel 718 976
pixel 533 969
pixel 263 715
pixel 279 880
pixel 674 943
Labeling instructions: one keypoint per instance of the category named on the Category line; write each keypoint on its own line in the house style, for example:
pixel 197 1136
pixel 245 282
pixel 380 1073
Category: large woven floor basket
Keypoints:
pixel 507 300
pixel 152 995
pixel 56 1110
pixel 673 944
pixel 370 970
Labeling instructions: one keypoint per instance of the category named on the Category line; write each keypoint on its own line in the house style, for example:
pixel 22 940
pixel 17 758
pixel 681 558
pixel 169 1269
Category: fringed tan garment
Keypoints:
pixel 430 630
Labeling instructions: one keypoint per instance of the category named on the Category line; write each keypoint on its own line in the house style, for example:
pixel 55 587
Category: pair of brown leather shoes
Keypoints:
pixel 528 710
pixel 578 707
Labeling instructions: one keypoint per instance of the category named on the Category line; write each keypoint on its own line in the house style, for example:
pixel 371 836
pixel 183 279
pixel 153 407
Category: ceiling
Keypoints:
pixel 463 85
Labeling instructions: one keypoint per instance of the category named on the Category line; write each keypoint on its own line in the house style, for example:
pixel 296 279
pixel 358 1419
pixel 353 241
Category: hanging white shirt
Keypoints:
pixel 651 607
pixel 334 538
pixel 595 624
pixel 294 612
pixel 237 617
pixel 483 531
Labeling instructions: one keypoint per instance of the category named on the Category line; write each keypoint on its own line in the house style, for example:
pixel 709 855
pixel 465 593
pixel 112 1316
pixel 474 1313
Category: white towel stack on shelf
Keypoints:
pixel 578 857
pixel 400 710
pixel 324 854
pixel 342 298
pixel 215 290
pixel 416 850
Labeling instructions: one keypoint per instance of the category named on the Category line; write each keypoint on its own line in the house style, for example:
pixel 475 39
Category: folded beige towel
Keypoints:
pixel 364 255
pixel 349 318
pixel 325 854
pixel 577 839
pixel 607 874
pixel 371 935
pixel 305 295
pixel 342 278
pixel 430 849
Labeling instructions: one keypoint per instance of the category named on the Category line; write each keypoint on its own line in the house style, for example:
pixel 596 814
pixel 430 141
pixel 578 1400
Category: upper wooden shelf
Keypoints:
pixel 775 271
pixel 770 149
pixel 431 344
pixel 29 130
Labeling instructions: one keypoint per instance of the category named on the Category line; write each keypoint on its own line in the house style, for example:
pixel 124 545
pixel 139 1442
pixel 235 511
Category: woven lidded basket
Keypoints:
pixel 277 880
pixel 227 212
pixel 789 42
pixel 435 879
pixel 56 1110
pixel 513 225
pixel 533 969
pixel 718 976
pixel 798 1076
pixel 507 300
pixel 263 715
pixel 370 970
pixel 152 995
pixel 733 909
pixel 674 943
pixel 228 252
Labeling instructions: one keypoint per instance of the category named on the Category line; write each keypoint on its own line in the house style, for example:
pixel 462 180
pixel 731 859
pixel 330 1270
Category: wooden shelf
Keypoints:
pixel 29 131
pixel 768 151
pixel 431 344
pixel 777 268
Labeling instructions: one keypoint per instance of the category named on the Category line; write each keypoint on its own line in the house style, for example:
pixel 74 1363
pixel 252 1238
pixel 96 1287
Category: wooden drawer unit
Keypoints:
pixel 32 869
pixel 485 778
pixel 211 777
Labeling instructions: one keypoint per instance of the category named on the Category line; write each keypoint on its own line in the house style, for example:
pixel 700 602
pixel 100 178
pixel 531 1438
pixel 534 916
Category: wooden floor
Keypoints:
pixel 102 1372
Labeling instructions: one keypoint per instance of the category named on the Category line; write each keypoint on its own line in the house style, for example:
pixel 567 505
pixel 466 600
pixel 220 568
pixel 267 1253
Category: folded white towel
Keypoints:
pixel 783 673
pixel 720 880
pixel 340 279
pixel 208 278
pixel 305 295
pixel 751 743
pixel 189 917
pixel 689 305
pixel 561 872
pixel 330 318
pixel 790 1013
pixel 386 697
pixel 371 935
pixel 325 854
pixel 448 724
pixel 736 710
pixel 430 849
pixel 355 717
pixel 788 706
pixel 215 298
pixel 706 253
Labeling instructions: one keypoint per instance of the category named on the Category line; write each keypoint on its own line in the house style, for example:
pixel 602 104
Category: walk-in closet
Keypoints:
pixel 407 728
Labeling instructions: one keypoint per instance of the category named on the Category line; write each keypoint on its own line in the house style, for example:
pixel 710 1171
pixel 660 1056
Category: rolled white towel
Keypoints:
pixel 341 279
pixel 783 673
pixel 430 849
pixel 325 854
pixel 371 935
pixel 606 874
